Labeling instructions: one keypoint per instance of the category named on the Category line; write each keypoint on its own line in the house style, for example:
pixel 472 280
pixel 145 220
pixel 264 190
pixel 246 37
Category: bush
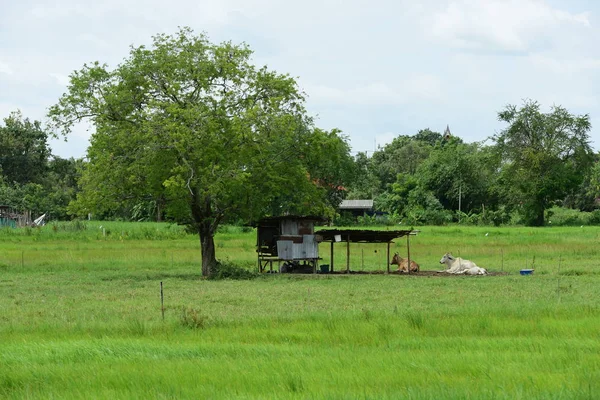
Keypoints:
pixel 594 217
pixel 227 270
pixel 368 220
pixel 421 216
pixel 72 226
pixel 234 229
pixel 344 218
pixel 191 318
pixel 559 216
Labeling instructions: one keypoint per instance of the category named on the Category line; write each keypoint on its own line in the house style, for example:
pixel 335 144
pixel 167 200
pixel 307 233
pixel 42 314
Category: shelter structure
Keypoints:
pixel 288 239
pixel 357 207
pixel 348 236
pixel 11 218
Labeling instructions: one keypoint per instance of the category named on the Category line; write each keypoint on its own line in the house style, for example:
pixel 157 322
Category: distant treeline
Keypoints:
pixel 539 171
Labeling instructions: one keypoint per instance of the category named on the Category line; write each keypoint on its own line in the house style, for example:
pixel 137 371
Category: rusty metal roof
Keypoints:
pixel 366 236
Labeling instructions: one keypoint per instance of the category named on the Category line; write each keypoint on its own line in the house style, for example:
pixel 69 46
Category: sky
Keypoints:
pixel 374 69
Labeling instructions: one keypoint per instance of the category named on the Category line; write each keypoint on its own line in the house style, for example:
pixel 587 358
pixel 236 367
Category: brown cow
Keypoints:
pixel 402 264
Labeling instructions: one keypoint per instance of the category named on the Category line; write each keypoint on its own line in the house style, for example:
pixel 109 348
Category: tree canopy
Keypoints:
pixel 545 155
pixel 195 127
pixel 24 149
pixel 31 178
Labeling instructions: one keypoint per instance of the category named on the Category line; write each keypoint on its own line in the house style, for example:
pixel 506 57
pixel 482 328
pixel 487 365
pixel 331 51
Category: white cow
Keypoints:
pixel 474 271
pixel 456 265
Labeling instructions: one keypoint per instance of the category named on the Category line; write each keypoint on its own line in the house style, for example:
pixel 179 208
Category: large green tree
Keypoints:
pixel 196 126
pixel 545 156
pixel 459 175
pixel 402 156
pixel 24 150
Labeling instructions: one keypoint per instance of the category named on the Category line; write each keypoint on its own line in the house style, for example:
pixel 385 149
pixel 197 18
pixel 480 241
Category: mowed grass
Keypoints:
pixel 80 317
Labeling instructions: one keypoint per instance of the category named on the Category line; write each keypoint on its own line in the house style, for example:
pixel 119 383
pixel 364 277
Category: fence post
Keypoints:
pixel 162 301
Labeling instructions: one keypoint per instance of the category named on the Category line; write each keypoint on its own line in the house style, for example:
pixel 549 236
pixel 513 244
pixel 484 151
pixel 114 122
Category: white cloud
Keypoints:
pixel 61 79
pixel 501 25
pixel 385 138
pixel 415 88
pixel 5 69
pixel 565 65
pixel 88 38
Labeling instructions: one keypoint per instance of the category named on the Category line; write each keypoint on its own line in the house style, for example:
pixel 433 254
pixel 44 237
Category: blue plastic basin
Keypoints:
pixel 526 271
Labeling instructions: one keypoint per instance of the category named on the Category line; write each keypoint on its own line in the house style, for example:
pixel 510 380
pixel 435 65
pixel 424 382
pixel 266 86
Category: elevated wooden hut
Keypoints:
pixel 287 239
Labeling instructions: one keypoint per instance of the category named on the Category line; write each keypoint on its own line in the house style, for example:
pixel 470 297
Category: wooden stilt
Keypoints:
pixel 408 252
pixel 348 254
pixel 387 261
pixel 331 256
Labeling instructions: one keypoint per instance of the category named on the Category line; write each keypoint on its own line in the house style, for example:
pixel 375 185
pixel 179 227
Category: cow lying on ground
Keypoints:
pixel 402 264
pixel 474 271
pixel 456 265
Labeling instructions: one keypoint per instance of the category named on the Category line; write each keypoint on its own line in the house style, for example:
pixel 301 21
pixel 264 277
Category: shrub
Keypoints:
pixel 344 218
pixel 594 217
pixel 559 216
pixel 368 220
pixel 191 318
pixel 234 229
pixel 226 270
pixel 438 216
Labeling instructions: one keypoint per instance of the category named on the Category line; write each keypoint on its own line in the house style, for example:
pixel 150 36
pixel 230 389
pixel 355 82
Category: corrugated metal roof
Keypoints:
pixel 361 235
pixel 356 204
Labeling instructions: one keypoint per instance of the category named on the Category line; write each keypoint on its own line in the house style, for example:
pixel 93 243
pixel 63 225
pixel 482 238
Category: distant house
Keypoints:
pixel 11 218
pixel 357 207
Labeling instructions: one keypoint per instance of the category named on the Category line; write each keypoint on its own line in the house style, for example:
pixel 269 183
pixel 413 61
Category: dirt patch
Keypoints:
pixel 415 274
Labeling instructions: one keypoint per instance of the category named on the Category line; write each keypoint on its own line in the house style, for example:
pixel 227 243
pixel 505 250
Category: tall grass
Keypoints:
pixel 81 318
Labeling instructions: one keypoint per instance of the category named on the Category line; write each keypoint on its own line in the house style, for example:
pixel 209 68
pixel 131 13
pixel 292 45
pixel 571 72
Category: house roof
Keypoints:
pixel 356 204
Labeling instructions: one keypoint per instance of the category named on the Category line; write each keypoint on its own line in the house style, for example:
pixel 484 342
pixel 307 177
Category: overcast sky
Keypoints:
pixel 374 69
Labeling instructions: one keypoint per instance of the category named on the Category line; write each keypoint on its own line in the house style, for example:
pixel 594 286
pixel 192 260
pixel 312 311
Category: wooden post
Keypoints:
pixel 331 256
pixel 162 301
pixel 388 258
pixel 408 251
pixel 348 254
pixel 558 279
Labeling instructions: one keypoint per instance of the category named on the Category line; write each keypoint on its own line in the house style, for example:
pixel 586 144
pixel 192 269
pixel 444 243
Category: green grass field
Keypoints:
pixel 80 317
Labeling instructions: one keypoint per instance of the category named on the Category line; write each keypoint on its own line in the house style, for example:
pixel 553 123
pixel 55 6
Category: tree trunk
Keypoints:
pixel 540 217
pixel 534 213
pixel 206 227
pixel 207 247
